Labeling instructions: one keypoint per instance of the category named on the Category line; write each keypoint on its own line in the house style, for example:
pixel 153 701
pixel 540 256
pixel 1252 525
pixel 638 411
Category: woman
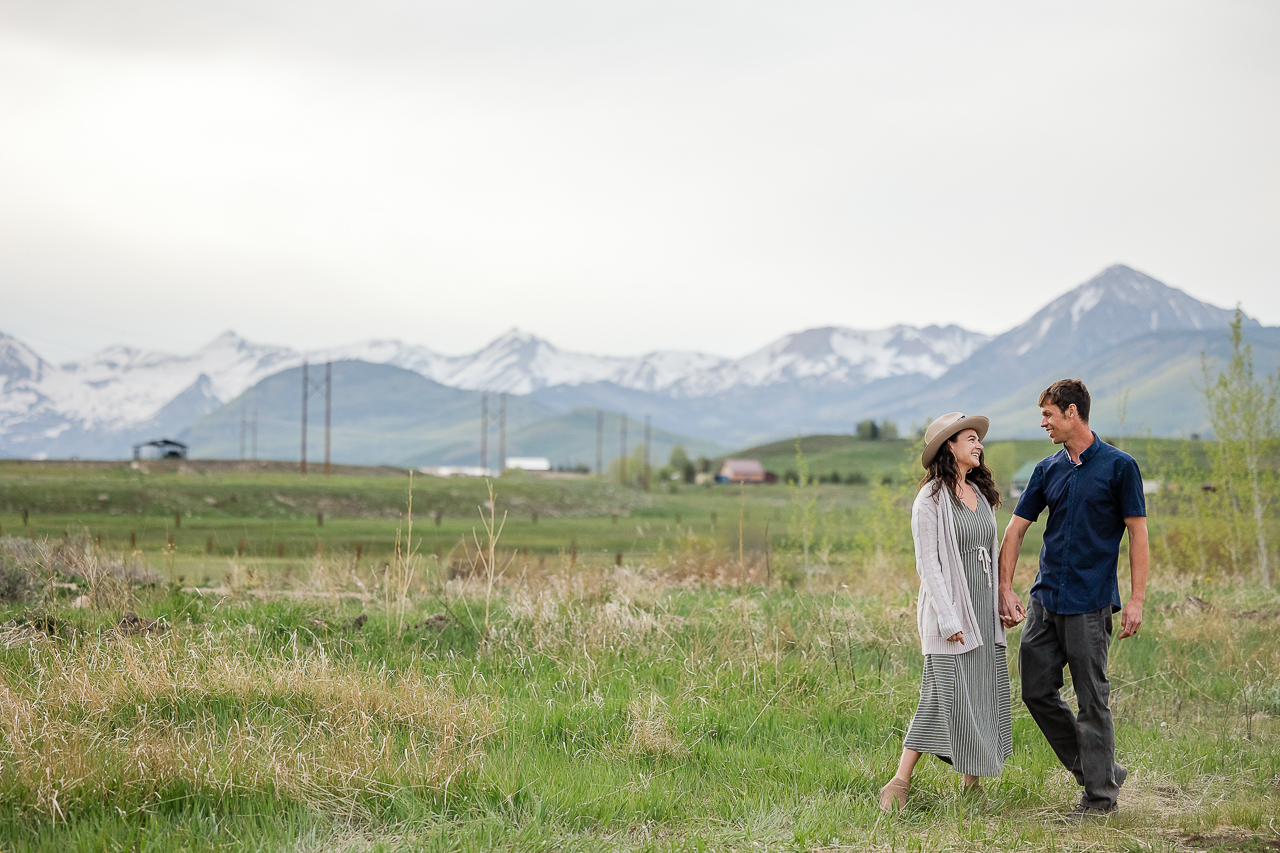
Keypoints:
pixel 963 716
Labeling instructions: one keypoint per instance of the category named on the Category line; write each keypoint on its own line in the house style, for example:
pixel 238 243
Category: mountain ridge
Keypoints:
pixel 121 390
pixel 815 380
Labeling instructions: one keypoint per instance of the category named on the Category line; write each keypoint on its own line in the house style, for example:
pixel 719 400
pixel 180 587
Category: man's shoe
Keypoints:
pixel 1083 812
pixel 1121 774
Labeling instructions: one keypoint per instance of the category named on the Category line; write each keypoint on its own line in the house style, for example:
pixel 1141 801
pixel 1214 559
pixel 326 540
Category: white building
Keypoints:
pixel 458 471
pixel 529 463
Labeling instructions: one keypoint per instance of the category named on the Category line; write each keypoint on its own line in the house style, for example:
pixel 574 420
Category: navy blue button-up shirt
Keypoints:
pixel 1088 504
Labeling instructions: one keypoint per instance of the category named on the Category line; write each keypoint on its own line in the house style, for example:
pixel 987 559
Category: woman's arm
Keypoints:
pixel 927 533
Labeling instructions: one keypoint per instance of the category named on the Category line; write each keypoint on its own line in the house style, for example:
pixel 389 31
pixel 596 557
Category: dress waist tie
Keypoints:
pixel 984 557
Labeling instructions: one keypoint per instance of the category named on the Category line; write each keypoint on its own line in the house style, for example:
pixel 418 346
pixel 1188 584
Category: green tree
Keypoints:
pixel 888 430
pixel 679 458
pixel 1243 413
pixel 635 467
pixel 868 430
pixel 804 505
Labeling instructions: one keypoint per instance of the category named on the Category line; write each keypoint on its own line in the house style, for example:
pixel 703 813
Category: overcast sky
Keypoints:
pixel 619 177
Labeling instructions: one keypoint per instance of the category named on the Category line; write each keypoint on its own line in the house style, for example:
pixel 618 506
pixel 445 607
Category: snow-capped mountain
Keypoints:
pixel 93 404
pixel 121 389
pixel 120 386
pixel 520 363
pixel 1117 304
pixel 840 356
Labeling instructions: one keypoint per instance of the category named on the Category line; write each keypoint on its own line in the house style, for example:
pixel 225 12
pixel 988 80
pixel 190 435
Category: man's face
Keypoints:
pixel 1056 422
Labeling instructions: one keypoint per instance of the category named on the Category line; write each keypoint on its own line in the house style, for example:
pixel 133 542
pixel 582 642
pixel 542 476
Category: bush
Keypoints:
pixel 16 582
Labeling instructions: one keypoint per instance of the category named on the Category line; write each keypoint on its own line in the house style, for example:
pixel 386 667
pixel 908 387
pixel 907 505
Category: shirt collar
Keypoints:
pixel 1089 451
pixel 1086 454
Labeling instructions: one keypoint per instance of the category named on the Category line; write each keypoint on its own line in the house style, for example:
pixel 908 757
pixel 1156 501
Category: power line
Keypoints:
pixel 484 430
pixel 647 432
pixel 328 410
pixel 502 433
pixel 309 388
pixel 622 458
pixel 599 442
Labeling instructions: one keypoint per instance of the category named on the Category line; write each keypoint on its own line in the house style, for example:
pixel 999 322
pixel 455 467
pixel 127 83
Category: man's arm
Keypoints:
pixel 1139 560
pixel 1011 610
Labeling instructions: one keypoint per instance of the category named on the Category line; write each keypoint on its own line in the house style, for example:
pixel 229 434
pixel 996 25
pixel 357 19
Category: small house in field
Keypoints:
pixel 161 448
pixel 741 471
pixel 1021 478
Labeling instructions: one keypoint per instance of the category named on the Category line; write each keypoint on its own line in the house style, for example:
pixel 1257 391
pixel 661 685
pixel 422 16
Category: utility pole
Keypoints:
pixel 647 436
pixel 328 410
pixel 484 430
pixel 502 433
pixel 599 442
pixel 305 389
pixel 243 429
pixel 255 435
pixel 622 458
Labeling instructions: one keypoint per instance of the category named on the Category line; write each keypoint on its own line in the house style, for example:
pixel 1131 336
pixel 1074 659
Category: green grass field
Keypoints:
pixel 268 518
pixel 702 695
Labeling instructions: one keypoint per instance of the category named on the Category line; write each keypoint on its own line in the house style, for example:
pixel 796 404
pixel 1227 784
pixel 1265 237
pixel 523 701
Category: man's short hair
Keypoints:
pixel 1066 392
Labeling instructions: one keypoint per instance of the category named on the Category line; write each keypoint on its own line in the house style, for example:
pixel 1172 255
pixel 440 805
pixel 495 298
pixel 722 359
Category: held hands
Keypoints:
pixel 1130 618
pixel 957 637
pixel 1011 609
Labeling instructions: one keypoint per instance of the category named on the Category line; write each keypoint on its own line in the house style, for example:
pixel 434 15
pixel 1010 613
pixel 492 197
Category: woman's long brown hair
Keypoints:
pixel 943 471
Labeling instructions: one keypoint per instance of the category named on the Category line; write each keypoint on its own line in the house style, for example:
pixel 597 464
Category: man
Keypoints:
pixel 1094 494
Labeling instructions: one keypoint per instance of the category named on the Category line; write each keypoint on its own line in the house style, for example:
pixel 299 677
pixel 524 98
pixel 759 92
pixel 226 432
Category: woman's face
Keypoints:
pixel 967 450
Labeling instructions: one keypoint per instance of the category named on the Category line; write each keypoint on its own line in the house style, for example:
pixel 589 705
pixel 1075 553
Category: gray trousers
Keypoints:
pixel 1084 743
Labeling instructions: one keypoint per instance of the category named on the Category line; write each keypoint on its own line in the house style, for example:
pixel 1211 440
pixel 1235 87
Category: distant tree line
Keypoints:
pixel 853 478
pixel 680 468
pixel 869 430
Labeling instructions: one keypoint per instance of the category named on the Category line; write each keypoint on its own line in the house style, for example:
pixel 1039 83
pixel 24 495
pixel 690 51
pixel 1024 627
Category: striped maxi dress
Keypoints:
pixel 963 717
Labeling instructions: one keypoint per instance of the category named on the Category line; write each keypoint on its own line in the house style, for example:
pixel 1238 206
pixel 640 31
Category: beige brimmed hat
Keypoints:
pixel 946 426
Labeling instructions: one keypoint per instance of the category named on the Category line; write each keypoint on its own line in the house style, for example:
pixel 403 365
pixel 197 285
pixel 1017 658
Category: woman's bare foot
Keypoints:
pixel 894 794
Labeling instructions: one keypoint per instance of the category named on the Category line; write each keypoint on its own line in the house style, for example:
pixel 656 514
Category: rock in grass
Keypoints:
pixel 132 624
pixel 435 622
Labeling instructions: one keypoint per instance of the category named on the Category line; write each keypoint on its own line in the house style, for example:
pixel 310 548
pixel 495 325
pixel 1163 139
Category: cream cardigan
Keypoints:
pixel 945 607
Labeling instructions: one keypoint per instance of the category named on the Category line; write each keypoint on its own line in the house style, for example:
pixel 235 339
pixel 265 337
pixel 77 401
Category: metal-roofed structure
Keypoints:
pixel 163 448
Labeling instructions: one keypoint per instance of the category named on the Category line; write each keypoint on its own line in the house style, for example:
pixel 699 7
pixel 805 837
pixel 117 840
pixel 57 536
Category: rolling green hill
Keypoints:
pixel 847 455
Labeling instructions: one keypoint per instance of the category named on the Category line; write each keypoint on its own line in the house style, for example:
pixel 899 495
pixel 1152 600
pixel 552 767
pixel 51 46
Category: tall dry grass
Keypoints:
pixel 133 723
